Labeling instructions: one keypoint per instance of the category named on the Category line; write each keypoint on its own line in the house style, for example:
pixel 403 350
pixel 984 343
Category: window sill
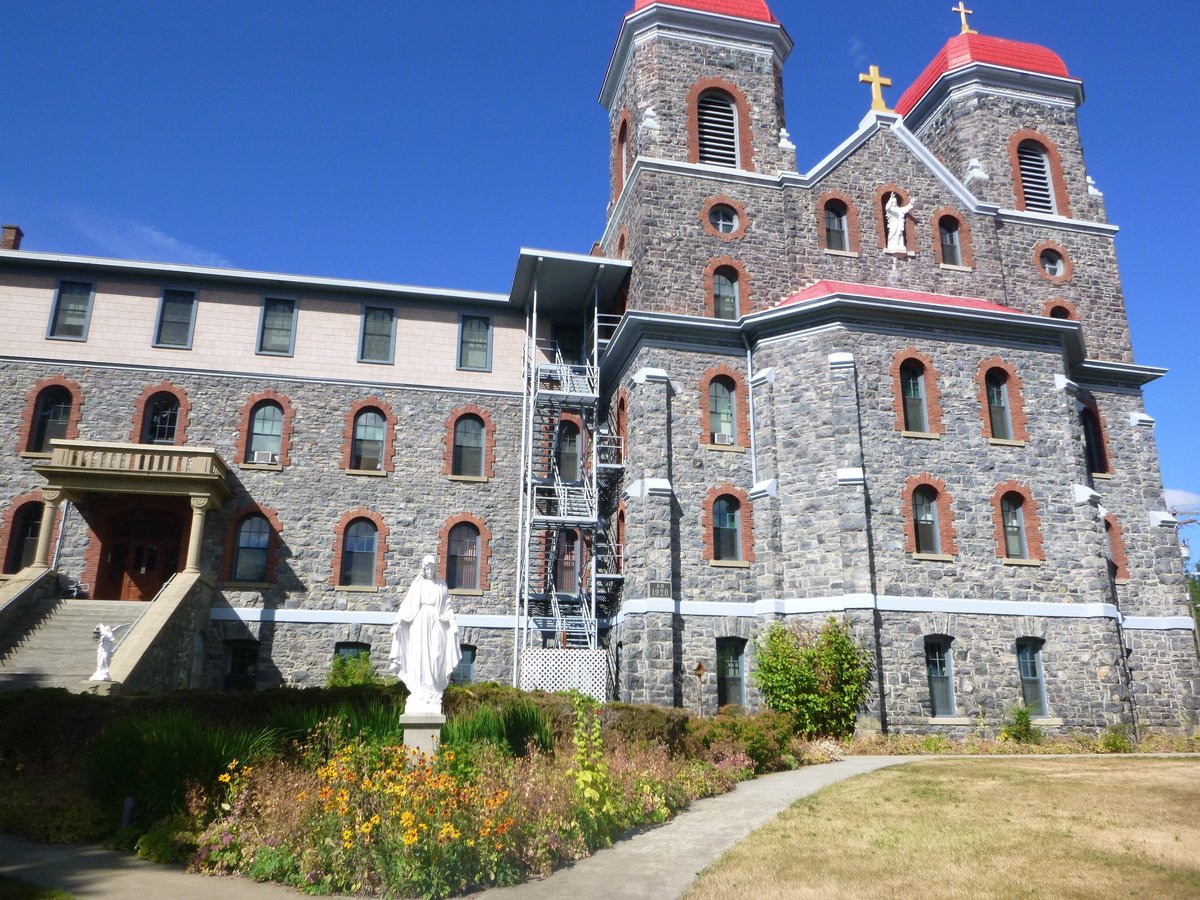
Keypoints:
pixel 950 268
pixel 934 557
pixel 478 478
pixel 921 435
pixel 274 353
pixel 29 454
pixel 909 253
pixel 473 369
pixel 171 346
pixel 1103 476
pixel 375 362
pixel 729 563
pixel 950 720
pixel 1010 561
pixel 848 253
pixel 723 448
pixel 1005 442
pixel 261 467
pixel 466 592
pixel 1048 721
pixel 370 473
pixel 66 337
pixel 357 588
pixel 1122 581
pixel 246 585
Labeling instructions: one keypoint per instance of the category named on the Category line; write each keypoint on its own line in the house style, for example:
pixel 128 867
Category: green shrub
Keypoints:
pixel 1019 727
pixel 819 678
pixel 350 671
pixel 765 737
pixel 1115 740
pixel 169 840
pixel 639 724
pixel 511 728
pixel 274 864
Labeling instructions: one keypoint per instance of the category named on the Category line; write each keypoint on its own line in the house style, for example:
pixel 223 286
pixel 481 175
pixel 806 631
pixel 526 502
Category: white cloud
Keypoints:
pixel 1177 499
pixel 858 52
pixel 130 239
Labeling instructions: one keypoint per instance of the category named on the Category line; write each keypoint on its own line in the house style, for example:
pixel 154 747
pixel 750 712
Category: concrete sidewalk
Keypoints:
pixel 660 862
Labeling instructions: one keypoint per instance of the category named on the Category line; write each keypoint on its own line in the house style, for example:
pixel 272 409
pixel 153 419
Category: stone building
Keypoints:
pixel 897 387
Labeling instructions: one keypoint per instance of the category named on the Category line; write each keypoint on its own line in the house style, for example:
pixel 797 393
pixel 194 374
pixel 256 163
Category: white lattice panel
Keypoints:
pixel 564 670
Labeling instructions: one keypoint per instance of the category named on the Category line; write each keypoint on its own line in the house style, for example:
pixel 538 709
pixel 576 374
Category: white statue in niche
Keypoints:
pixel 895 215
pixel 425 646
pixel 104 652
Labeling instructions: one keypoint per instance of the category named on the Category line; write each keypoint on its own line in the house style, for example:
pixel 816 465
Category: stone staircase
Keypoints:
pixel 59 650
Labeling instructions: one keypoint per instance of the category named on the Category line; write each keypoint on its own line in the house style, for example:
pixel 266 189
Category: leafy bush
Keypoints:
pixel 350 671
pixel 1116 740
pixel 820 679
pixel 764 737
pixel 169 840
pixel 646 724
pixel 1019 727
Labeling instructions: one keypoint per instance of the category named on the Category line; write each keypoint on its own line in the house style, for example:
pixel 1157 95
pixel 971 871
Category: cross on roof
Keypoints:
pixel 877 82
pixel 963 12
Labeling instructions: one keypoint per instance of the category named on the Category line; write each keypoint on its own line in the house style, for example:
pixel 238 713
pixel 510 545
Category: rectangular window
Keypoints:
pixel 176 318
pixel 730 681
pixel 1029 661
pixel 464 672
pixel 475 343
pixel 72 311
pixel 241 665
pixel 277 328
pixel 937 666
pixel 378 334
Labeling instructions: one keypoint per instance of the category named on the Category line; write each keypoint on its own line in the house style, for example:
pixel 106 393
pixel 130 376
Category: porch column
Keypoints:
pixel 200 506
pixel 51 498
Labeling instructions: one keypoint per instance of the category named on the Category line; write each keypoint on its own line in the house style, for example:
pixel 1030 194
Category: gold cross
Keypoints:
pixel 877 82
pixel 963 12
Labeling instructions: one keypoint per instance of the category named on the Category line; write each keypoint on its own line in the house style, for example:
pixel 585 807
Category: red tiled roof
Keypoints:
pixel 741 9
pixel 823 289
pixel 964 49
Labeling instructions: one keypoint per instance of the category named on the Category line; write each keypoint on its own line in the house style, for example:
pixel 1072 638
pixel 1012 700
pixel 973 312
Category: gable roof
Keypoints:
pixel 824 289
pixel 740 9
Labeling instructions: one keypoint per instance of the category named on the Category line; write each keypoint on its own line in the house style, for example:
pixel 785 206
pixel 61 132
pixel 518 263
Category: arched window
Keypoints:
pixel 725 293
pixel 912 389
pixel 468 446
pixel 939 671
pixel 161 419
pixel 51 418
pixel 925 520
pixel 359 547
pixel 726 529
pixel 837 229
pixel 948 229
pixel 567 456
pixel 1012 515
pixel 1033 680
pixel 717 128
pixel 999 415
pixel 1093 442
pixel 567 559
pixel 370 432
pixel 721 393
pixel 250 554
pixel 462 557
pixel 266 433
pixel 1033 164
pixel 623 160
pixel 23 537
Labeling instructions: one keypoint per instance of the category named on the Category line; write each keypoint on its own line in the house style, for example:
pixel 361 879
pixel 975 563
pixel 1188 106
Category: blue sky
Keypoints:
pixel 424 143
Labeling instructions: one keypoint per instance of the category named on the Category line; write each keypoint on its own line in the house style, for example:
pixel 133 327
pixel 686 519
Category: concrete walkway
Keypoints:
pixel 660 862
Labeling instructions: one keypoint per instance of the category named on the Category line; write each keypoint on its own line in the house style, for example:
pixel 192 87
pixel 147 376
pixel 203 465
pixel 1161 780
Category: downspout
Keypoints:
pixel 750 410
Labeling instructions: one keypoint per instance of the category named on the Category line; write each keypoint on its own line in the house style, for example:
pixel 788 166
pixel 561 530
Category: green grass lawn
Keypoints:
pixel 1004 828
pixel 15 889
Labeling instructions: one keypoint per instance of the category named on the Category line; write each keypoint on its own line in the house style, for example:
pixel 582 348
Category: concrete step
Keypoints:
pixel 61 651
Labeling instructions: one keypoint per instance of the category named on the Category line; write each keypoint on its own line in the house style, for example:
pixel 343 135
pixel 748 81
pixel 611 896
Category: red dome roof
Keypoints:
pixel 740 9
pixel 965 49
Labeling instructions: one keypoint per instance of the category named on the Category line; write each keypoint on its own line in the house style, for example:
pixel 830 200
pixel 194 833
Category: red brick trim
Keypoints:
pixel 1072 312
pixel 381 547
pixel 745 140
pixel 1016 397
pixel 1029 510
pixel 25 429
pixel 623 243
pixel 239 514
pixel 741 400
pixel 933 392
pixel 910 223
pixel 853 233
pixel 1056 169
pixel 139 412
pixel 743 220
pixel 1088 402
pixel 743 283
pixel 945 514
pixel 1068 263
pixel 622 160
pixel 389 440
pixel 244 417
pixel 745 520
pixel 485 547
pixel 489 438
pixel 10 513
pixel 1116 540
pixel 964 236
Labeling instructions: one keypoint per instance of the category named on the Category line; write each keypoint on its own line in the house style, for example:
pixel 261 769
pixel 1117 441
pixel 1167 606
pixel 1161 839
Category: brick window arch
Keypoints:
pixel 1058 308
pixel 244 542
pixel 452 462
pixel 951 235
pixel 52 410
pixel 1018 537
pixel 154 420
pixel 910 224
pixel 742 141
pixel 386 463
pixel 709 212
pixel 623 243
pixel 930 523
pixel 1055 190
pixel 19 529
pixel 1095 434
pixel 342 550
pixel 915 390
pixel 833 210
pixel 1052 262
pixel 741 280
pixel 740 395
pixel 1001 401
pixel 483 548
pixel 259 434
pixel 1118 558
pixel 622 423
pixel 711 527
pixel 622 153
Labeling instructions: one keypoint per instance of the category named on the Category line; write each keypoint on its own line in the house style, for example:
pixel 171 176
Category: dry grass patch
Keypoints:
pixel 1069 827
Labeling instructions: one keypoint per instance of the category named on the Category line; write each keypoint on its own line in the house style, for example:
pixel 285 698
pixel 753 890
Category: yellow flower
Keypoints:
pixel 302 796
pixel 224 776
pixel 410 837
pixel 346 834
pixel 233 765
pixel 406 819
pixel 375 820
pixel 246 770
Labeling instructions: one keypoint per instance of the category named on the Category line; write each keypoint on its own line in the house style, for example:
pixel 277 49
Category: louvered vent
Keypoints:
pixel 717 129
pixel 1035 177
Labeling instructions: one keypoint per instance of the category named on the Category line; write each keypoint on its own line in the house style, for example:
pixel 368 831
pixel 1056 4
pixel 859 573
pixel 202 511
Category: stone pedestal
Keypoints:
pixel 422 730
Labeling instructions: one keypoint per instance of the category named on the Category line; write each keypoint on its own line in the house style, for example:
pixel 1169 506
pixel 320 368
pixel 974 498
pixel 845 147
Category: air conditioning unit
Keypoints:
pixel 722 439
pixel 265 458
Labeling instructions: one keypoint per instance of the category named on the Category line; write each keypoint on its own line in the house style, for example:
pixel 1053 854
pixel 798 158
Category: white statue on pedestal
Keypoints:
pixel 104 652
pixel 895 214
pixel 425 647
